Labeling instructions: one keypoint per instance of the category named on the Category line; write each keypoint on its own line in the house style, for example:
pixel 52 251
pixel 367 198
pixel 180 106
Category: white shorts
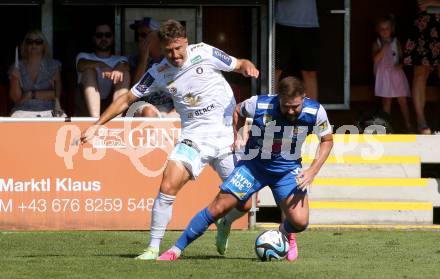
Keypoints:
pixel 195 158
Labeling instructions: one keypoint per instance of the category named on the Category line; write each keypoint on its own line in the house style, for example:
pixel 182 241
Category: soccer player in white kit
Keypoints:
pixel 205 102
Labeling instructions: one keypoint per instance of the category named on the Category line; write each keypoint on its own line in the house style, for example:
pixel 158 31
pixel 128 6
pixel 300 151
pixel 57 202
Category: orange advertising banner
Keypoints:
pixel 49 183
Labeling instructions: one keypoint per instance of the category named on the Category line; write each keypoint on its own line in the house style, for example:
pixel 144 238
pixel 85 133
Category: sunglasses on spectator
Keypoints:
pixel 100 35
pixel 34 41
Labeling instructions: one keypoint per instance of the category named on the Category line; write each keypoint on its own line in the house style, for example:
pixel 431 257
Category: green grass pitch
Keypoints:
pixel 323 254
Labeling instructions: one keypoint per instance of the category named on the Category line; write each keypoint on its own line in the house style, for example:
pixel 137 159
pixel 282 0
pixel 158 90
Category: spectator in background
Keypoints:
pixel 146 37
pixel 35 79
pixel 148 47
pixel 102 76
pixel 422 51
pixel 297 42
pixel 391 81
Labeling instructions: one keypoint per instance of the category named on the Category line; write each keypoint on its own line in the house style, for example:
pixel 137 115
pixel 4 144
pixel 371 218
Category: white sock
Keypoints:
pixel 160 217
pixel 233 215
pixel 176 250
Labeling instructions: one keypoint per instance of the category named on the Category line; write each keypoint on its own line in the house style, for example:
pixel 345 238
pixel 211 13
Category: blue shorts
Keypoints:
pixel 246 180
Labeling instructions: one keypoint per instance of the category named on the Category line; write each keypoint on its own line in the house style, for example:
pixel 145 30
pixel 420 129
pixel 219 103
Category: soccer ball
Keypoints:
pixel 271 245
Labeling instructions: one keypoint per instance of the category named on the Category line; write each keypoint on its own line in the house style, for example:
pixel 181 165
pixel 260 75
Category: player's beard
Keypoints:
pixel 291 117
pixel 177 62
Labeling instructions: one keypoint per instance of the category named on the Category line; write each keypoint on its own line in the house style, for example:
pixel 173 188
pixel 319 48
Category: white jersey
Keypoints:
pixel 201 95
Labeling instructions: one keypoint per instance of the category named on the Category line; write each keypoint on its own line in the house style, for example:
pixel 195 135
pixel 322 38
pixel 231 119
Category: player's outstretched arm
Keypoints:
pixel 118 106
pixel 246 68
pixel 306 177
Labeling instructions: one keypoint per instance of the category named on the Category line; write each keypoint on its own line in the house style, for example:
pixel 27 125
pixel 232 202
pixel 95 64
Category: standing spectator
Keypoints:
pixel 422 50
pixel 391 81
pixel 148 47
pixel 297 42
pixel 35 80
pixel 102 76
pixel 147 40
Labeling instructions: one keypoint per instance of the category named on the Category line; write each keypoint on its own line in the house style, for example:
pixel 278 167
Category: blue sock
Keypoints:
pixel 198 225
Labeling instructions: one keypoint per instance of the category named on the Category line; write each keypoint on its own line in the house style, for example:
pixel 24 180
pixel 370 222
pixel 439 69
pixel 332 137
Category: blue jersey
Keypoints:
pixel 275 142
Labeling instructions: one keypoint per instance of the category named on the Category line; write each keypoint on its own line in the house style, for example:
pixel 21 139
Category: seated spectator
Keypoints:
pixel 373 121
pixel 148 53
pixel 35 79
pixel 102 76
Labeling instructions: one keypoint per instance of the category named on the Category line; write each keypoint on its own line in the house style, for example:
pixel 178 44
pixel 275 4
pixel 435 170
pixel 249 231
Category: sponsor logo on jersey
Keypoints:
pixel 192 100
pixel 220 55
pixel 323 126
pixel 310 110
pixel 145 82
pixel 199 70
pixel 195 46
pixel 162 68
pixel 201 112
pixel 264 106
pixel 158 98
pixel 299 130
pixel 196 59
pixel 172 90
pixel 267 118
pixel 276 145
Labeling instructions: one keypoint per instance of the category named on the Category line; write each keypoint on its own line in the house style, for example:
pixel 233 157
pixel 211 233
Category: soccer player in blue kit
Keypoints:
pixel 272 157
pixel 192 75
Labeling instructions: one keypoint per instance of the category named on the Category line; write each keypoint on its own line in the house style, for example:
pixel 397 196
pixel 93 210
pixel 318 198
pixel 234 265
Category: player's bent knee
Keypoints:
pixel 88 75
pixel 168 188
pixel 245 207
pixel 301 224
pixel 296 223
pixel 302 227
pixel 149 111
pixel 295 227
pixel 218 209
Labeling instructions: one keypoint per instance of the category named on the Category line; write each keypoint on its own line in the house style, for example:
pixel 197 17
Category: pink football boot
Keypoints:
pixel 292 254
pixel 169 255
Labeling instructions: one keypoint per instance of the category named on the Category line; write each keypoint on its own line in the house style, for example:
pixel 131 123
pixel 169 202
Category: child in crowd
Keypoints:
pixel 391 81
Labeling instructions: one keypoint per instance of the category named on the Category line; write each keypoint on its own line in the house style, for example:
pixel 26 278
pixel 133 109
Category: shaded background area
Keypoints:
pixel 229 28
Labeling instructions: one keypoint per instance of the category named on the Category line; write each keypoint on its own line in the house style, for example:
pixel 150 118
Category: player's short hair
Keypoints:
pixel 291 87
pixel 171 30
